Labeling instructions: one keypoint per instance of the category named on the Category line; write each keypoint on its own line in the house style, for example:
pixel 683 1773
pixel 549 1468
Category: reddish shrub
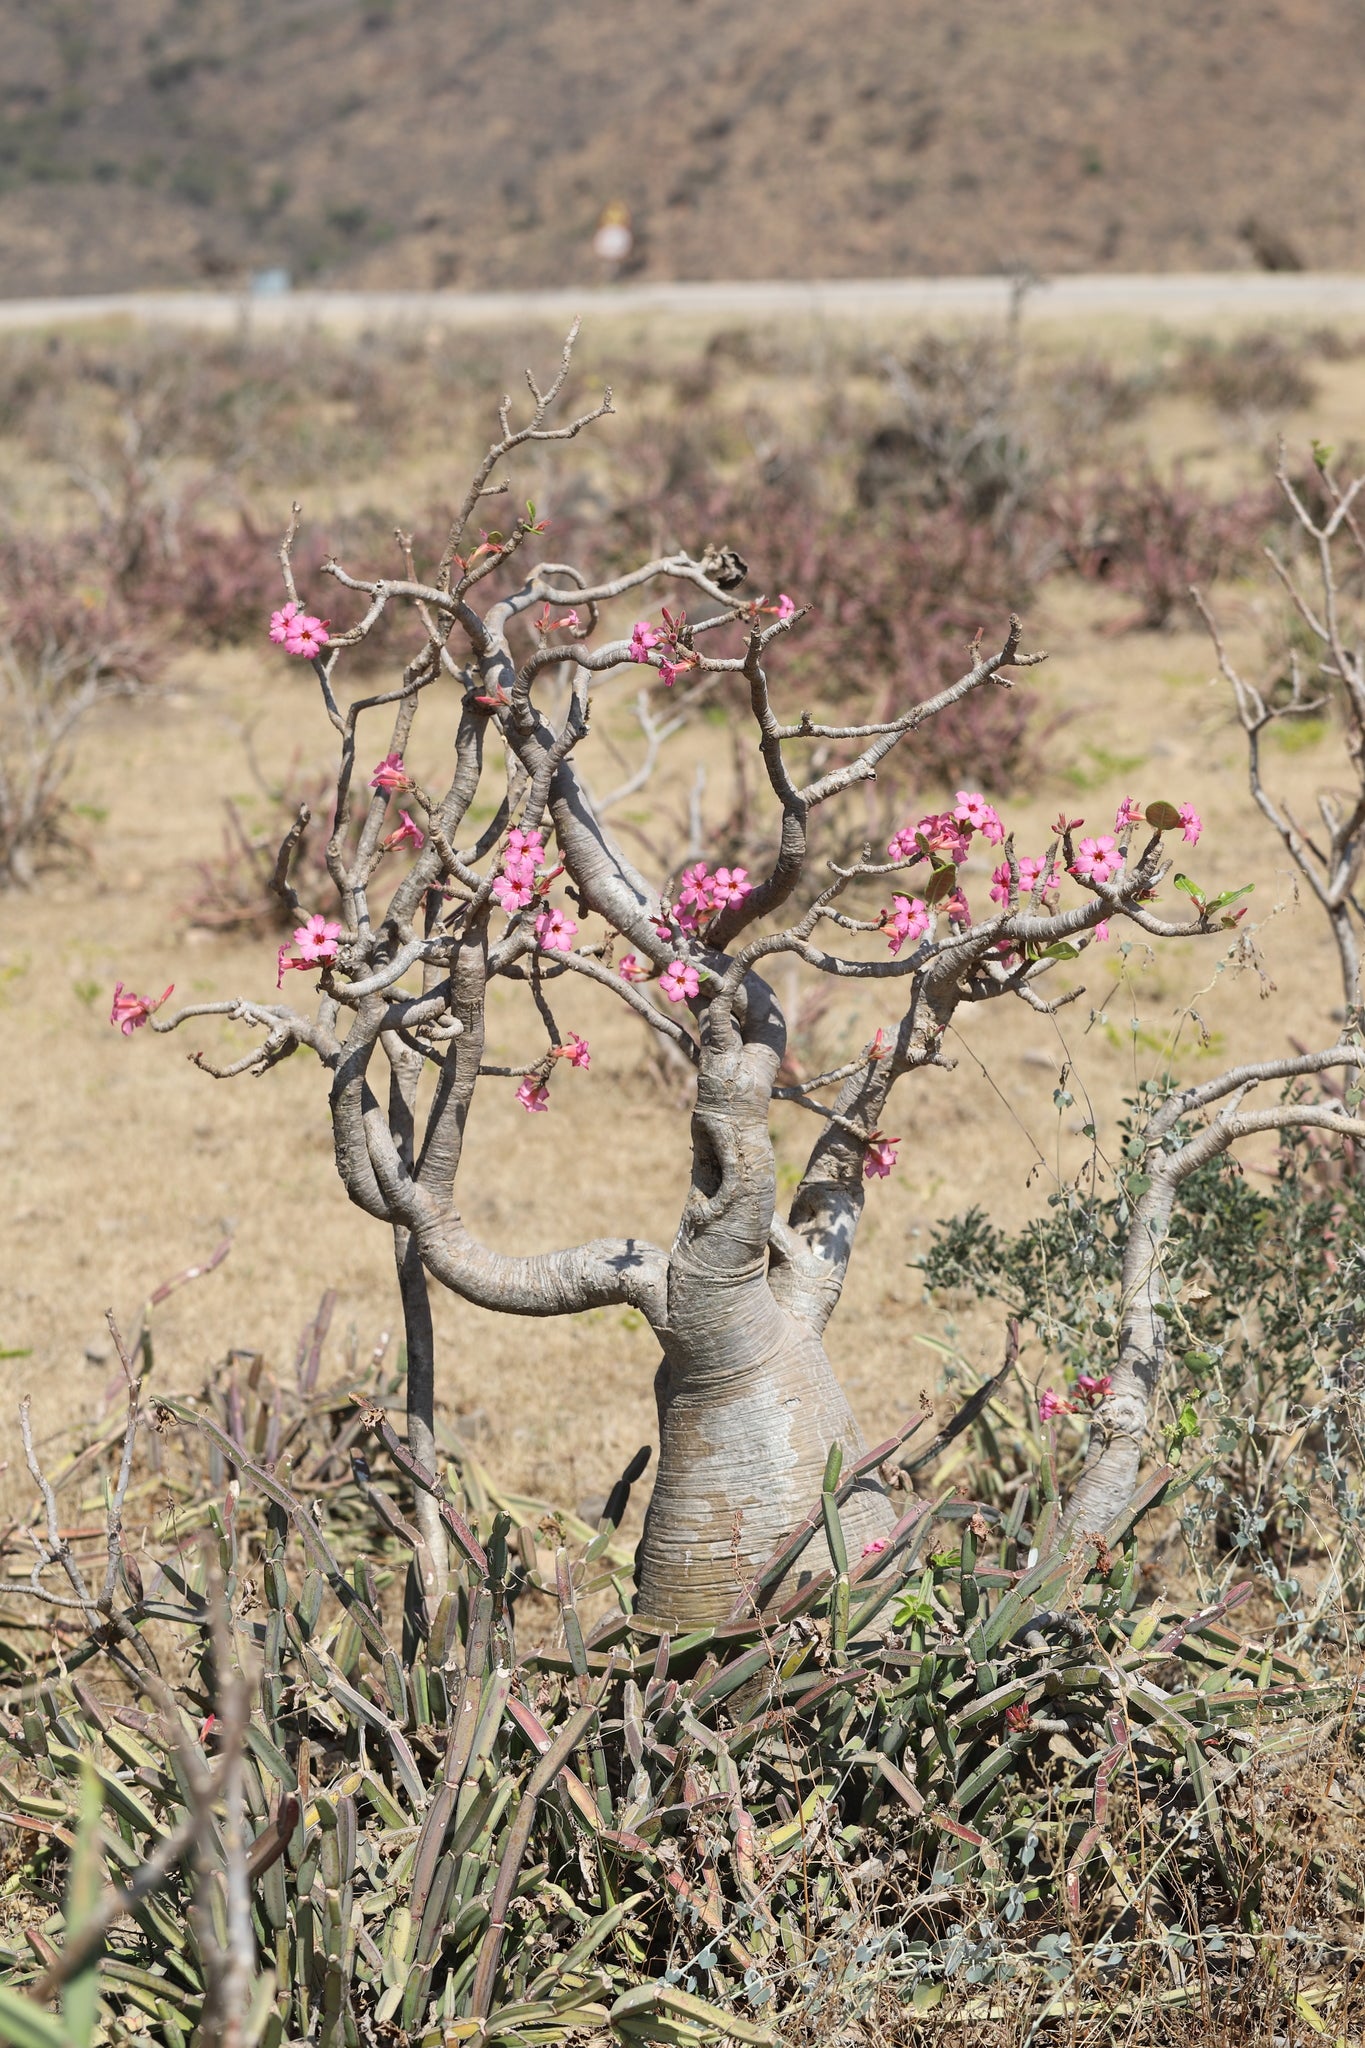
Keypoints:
pixel 1152 538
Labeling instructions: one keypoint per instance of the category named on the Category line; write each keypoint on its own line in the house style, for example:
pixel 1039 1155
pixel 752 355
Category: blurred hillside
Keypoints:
pixel 434 142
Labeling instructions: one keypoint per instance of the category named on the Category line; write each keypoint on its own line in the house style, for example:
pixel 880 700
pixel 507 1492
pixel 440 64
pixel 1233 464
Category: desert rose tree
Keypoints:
pixel 545 896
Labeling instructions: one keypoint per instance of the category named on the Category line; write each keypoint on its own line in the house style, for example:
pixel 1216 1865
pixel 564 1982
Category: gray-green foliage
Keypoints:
pixel 1265 1368
pixel 731 1834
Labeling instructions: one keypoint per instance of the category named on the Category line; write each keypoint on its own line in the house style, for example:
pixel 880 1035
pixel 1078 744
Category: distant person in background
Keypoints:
pixel 614 239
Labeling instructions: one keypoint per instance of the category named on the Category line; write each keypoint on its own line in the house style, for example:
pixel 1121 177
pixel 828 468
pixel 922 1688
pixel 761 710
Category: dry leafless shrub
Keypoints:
pixel 1151 537
pixel 1256 377
pixel 46 695
pixel 1323 576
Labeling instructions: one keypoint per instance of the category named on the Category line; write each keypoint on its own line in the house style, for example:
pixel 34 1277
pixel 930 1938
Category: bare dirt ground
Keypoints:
pixel 121 1163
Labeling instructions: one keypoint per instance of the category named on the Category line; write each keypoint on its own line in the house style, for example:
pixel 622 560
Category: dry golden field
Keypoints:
pixel 121 1163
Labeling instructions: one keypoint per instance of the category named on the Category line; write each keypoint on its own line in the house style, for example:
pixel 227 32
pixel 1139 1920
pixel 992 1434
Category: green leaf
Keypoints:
pixel 80 1994
pixel 1164 817
pixel 941 883
pixel 1146 1628
pixel 912 1607
pixel 1189 888
pixel 1230 896
pixel 25 2025
pixel 661 2012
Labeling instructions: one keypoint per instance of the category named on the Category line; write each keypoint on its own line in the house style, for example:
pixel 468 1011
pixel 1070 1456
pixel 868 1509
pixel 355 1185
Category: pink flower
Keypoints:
pixel 130 1012
pixel 876 1546
pixel 317 943
pixel 939 832
pixel 663 928
pixel 306 636
pixel 516 885
pixel 575 1051
pixel 879 1156
pixel 1102 930
pixel 972 809
pixel 731 885
pixel 631 970
pixel 1192 822
pixel 696 887
pixel 958 909
pixel 1030 876
pixel 556 930
pixel 281 621
pixel 408 834
pixel 1098 860
pixel 909 920
pixel 318 939
pixel 533 1095
pixel 785 608
pixel 679 980
pixel 1092 1389
pixel 643 638
pixel 1052 1404
pixel 669 671
pixel 1128 813
pixel 511 894
pixel 390 774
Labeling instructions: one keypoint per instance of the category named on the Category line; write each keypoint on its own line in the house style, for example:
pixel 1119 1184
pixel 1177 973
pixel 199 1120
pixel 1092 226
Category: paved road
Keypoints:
pixel 1176 298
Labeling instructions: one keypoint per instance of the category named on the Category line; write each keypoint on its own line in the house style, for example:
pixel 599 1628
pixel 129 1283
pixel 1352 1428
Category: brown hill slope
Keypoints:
pixel 420 142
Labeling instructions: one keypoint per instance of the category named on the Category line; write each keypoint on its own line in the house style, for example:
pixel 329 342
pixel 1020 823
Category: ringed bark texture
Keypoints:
pixel 746 1420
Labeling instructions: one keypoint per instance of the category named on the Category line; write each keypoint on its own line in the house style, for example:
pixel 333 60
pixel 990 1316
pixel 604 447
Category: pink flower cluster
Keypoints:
pixel 879 1156
pixel 533 1091
pixel 977 815
pixel 675 656
pixel 909 920
pixel 1030 878
pixel 297 631
pixel 1130 813
pixel 1091 1387
pixel 702 892
pixel 939 835
pixel 947 835
pixel 516 883
pixel 943 838
pixel 130 1012
pixel 317 942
